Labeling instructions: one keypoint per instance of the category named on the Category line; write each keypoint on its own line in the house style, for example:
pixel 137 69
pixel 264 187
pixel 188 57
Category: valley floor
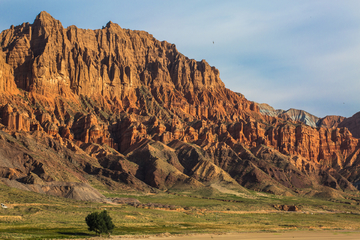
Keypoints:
pixel 308 235
pixel 192 214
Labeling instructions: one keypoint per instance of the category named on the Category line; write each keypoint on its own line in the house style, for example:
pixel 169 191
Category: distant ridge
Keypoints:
pixel 301 116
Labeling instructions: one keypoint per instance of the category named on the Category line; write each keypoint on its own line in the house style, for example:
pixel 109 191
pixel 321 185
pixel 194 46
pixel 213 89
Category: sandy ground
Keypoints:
pixel 308 235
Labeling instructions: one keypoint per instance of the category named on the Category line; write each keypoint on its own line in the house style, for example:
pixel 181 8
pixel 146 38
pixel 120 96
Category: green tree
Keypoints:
pixel 99 222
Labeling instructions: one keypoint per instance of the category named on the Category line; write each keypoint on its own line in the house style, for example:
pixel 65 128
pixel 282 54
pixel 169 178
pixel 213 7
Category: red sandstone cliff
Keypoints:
pixel 7 84
pixel 115 64
pixel 145 115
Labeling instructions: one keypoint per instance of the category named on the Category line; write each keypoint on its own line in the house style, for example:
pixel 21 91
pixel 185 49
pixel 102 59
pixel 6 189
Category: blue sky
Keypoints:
pixel 290 54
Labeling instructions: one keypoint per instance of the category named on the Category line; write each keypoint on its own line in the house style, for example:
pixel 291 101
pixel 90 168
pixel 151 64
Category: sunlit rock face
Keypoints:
pixel 121 105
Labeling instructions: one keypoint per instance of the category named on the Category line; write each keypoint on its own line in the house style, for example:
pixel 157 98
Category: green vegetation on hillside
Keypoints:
pixel 33 216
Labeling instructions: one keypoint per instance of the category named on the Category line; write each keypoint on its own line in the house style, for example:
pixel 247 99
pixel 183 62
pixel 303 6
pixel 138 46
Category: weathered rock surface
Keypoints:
pixel 353 124
pixel 120 108
pixel 332 121
pixel 7 84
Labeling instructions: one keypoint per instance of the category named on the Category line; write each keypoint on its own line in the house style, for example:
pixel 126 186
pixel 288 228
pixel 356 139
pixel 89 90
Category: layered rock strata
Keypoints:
pixel 133 111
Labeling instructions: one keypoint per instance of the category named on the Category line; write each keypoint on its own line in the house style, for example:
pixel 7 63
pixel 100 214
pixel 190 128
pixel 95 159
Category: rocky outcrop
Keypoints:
pixel 7 83
pixel 332 121
pixel 290 208
pixel 314 144
pixel 132 112
pixel 353 124
pixel 116 63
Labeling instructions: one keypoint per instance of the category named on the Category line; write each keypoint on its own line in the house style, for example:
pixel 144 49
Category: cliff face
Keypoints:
pixel 7 83
pixel 113 63
pixel 144 115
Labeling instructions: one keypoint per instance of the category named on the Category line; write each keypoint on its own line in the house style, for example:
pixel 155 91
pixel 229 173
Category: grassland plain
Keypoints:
pixel 35 216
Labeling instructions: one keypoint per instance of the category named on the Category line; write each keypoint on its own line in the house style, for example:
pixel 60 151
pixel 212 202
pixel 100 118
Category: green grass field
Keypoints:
pixel 36 216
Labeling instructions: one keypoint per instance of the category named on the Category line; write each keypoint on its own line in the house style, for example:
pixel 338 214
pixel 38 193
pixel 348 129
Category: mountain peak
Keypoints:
pixel 44 17
pixel 45 24
pixel 110 24
pixel 46 20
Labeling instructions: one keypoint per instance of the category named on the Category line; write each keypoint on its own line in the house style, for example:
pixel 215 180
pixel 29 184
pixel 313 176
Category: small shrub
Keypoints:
pixel 99 222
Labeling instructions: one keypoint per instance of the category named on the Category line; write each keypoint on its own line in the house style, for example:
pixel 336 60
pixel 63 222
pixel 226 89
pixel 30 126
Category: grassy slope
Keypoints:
pixel 33 216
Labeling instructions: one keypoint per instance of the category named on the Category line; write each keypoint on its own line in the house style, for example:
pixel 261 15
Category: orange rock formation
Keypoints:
pixel 117 92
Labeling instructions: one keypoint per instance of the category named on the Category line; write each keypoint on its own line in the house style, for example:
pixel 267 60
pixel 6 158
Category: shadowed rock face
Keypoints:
pixel 134 113
pixel 353 124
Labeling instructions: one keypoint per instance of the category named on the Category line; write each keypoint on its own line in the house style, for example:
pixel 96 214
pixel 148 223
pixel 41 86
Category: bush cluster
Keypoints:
pixel 99 222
